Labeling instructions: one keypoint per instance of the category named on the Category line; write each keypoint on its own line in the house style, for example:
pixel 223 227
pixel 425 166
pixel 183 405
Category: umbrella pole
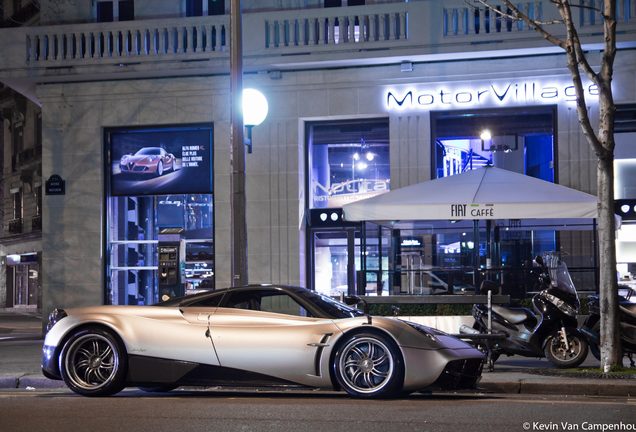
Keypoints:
pixel 476 252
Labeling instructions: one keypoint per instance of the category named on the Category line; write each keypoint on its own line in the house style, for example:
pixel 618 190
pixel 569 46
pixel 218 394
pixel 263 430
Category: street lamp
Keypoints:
pixel 255 109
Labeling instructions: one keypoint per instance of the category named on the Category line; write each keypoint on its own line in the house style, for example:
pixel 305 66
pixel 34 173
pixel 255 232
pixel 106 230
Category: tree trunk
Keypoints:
pixel 611 354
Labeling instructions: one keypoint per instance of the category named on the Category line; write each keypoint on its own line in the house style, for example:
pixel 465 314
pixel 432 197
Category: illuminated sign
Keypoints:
pixel 499 93
pixel 411 242
pixel 338 194
pixel 161 160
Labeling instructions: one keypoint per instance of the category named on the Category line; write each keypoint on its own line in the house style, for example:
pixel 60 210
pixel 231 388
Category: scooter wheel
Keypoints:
pixel 594 348
pixel 563 356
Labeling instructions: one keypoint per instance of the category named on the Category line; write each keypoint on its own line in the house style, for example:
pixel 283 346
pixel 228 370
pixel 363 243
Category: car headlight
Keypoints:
pixel 429 332
pixel 124 159
pixel 54 317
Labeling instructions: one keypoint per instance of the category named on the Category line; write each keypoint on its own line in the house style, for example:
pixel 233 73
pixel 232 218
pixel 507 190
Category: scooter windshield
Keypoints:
pixel 561 279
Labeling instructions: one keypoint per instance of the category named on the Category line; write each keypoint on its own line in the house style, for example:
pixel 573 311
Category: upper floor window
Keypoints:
pixel 126 10
pixel 108 11
pixel 17 204
pixel 340 3
pixel 38 200
pixel 205 7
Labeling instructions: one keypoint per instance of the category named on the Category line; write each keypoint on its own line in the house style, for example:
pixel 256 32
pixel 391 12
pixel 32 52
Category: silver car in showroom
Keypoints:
pixel 259 335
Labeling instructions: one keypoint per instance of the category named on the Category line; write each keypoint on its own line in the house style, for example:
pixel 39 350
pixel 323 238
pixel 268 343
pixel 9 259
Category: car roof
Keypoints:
pixel 175 301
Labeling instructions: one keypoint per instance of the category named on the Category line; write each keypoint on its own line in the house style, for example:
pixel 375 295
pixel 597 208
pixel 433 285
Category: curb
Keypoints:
pixel 28 381
pixel 573 388
pixel 519 386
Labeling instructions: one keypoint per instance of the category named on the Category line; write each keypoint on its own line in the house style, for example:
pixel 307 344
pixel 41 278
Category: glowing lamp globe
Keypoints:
pixel 255 107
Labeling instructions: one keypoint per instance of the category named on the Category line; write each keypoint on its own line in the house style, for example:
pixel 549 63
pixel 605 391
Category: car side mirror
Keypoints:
pixel 351 300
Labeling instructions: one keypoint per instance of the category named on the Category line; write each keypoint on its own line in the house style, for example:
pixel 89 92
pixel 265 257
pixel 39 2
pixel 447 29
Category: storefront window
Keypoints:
pixel 625 191
pixel 519 140
pixel 516 139
pixel 160 195
pixel 348 161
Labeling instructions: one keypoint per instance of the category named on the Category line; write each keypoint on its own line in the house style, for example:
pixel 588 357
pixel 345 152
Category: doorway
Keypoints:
pixel 335 259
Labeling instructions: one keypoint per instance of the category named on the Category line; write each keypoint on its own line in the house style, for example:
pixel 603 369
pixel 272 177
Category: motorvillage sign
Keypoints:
pixel 499 93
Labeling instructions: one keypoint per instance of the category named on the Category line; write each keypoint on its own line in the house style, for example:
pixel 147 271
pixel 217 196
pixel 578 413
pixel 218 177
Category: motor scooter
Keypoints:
pixel 627 323
pixel 550 331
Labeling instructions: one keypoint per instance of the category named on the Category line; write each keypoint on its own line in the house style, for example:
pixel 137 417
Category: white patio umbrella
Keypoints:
pixel 486 193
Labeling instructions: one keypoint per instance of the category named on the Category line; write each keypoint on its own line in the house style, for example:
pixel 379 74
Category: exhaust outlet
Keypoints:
pixel 464 329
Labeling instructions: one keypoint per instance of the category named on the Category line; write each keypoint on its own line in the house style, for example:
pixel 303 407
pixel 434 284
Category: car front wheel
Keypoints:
pixel 93 363
pixel 369 366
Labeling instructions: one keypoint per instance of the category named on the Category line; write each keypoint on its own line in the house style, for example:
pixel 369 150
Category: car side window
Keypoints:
pixel 283 304
pixel 243 300
pixel 209 301
pixel 267 301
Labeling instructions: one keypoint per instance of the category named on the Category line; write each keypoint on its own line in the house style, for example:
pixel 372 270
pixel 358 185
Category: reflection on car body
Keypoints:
pixel 255 335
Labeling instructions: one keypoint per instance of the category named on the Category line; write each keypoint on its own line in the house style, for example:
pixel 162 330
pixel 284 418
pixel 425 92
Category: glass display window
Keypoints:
pixel 517 139
pixel 158 180
pixel 348 161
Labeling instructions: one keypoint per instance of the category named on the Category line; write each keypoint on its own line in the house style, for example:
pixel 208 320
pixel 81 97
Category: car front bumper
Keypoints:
pixel 50 366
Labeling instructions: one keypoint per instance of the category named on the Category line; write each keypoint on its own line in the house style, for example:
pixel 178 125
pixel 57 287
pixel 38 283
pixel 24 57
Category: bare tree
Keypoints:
pixel 601 140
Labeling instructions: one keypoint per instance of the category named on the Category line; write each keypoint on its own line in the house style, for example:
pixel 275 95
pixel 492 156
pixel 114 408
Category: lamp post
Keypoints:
pixel 238 243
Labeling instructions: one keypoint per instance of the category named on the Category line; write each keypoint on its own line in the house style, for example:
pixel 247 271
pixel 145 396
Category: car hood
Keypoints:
pixel 139 158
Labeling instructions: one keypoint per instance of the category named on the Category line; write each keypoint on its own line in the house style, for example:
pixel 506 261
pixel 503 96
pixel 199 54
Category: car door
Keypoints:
pixel 200 347
pixel 267 331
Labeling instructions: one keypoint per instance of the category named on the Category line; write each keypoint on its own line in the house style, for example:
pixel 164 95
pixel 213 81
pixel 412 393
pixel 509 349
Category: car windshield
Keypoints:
pixel 149 151
pixel 330 307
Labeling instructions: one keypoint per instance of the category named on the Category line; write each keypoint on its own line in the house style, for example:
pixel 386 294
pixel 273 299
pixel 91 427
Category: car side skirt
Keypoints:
pixel 148 371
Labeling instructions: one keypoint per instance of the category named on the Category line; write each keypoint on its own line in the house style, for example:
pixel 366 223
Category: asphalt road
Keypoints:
pixel 133 410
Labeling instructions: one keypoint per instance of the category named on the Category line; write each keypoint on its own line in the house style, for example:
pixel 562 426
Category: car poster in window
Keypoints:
pixel 161 161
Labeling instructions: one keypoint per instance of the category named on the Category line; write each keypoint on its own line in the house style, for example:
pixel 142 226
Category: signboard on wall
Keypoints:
pixel 484 94
pixel 160 160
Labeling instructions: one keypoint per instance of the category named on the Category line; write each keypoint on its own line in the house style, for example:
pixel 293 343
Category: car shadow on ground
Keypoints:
pixel 222 393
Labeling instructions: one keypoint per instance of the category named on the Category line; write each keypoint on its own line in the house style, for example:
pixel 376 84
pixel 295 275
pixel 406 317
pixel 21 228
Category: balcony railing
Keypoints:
pixel 126 40
pixel 15 226
pixel 338 26
pixel 36 223
pixel 276 39
pixel 460 19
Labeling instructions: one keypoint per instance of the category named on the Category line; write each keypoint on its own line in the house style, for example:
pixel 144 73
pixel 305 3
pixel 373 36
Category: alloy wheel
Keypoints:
pixel 366 365
pixel 91 362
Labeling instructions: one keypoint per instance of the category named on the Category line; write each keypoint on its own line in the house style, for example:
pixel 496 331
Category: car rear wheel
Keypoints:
pixel 369 366
pixel 93 363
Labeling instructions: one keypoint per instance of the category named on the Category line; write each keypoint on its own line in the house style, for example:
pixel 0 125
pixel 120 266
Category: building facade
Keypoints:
pixel 21 183
pixel 363 97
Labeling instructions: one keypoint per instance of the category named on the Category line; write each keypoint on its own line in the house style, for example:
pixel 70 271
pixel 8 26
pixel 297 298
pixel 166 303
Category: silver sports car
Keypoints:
pixel 256 335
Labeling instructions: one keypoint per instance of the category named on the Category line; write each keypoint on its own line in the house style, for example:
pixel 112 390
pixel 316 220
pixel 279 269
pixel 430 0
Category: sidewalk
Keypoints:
pixel 21 347
pixel 23 324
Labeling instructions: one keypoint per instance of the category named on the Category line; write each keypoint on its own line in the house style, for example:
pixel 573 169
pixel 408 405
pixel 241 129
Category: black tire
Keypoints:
pixel 369 365
pixel 159 388
pixel 594 348
pixel 93 362
pixel 494 354
pixel 562 357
